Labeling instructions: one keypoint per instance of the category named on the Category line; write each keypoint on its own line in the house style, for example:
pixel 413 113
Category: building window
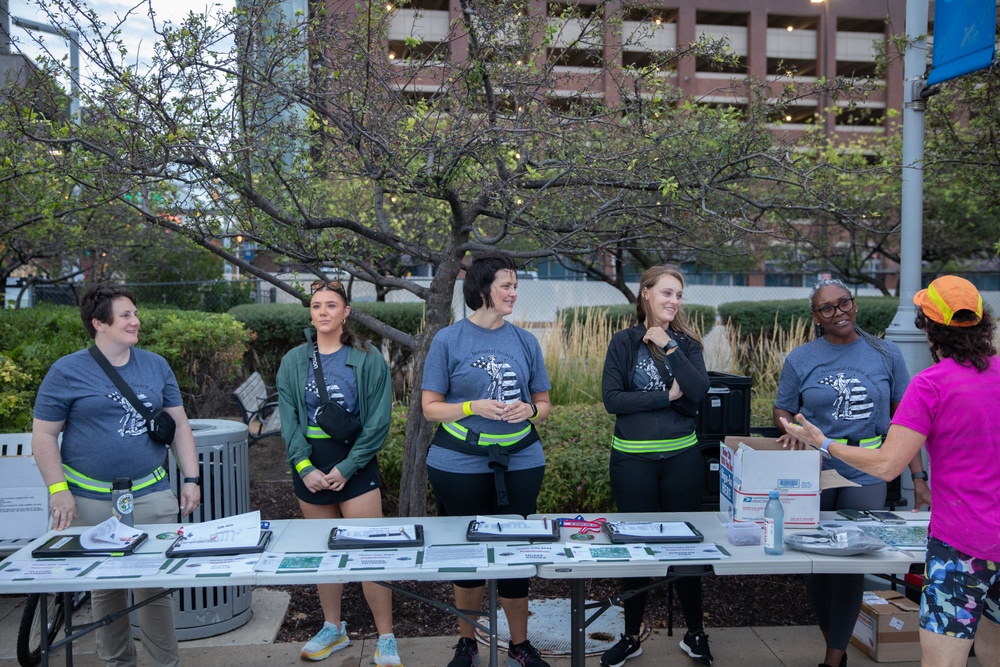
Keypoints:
pixel 418 51
pixel 575 58
pixel 730 26
pixel 861 116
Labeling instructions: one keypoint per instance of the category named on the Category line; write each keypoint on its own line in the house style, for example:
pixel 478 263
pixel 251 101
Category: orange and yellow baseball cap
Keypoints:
pixel 946 296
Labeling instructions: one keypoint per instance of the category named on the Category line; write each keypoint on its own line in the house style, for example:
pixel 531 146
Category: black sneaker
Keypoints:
pixel 524 655
pixel 695 644
pixel 466 653
pixel 626 648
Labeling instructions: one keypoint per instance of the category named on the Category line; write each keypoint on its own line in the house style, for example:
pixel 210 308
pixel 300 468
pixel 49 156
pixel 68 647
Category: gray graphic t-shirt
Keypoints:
pixel 103 436
pixel 341 384
pixel 845 390
pixel 467 363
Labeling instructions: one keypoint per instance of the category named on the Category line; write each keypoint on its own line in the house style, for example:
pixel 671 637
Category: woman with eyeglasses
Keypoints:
pixel 849 383
pixel 335 480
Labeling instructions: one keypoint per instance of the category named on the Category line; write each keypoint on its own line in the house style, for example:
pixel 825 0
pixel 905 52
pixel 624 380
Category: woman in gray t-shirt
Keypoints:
pixel 485 382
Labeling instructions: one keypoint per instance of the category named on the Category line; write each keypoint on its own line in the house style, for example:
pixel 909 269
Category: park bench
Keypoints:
pixel 259 407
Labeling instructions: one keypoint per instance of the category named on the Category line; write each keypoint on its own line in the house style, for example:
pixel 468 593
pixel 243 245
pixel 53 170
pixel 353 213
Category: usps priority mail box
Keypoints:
pixel 750 468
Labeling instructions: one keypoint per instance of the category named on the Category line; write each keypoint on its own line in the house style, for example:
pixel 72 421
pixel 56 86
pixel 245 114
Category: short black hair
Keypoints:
pixel 481 274
pixel 97 304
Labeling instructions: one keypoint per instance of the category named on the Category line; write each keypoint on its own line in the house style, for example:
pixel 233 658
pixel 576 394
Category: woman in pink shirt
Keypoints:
pixel 952 407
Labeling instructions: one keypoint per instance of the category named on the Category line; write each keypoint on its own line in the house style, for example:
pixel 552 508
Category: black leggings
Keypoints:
pixel 675 484
pixel 461 494
pixel 836 598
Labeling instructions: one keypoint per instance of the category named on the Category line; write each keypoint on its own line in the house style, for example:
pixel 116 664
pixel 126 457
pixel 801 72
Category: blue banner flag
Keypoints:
pixel 964 38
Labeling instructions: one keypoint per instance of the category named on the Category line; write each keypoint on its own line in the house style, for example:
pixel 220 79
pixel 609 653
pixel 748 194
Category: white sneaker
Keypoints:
pixel 386 654
pixel 331 638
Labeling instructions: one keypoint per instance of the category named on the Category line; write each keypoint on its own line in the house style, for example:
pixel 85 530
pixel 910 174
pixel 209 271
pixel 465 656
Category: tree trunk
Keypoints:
pixel 413 481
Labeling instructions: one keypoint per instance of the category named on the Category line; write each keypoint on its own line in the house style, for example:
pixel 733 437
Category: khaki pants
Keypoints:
pixel 156 619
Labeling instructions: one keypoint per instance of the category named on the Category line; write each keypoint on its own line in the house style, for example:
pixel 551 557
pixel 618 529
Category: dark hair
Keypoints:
pixel 969 346
pixel 347 335
pixel 481 274
pixel 820 331
pixel 96 304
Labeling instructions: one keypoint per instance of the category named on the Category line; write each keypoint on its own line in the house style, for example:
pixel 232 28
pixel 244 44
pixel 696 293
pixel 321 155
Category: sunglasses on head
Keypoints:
pixel 334 285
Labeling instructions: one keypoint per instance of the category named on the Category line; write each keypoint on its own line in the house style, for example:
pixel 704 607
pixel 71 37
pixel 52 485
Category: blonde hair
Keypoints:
pixel 649 278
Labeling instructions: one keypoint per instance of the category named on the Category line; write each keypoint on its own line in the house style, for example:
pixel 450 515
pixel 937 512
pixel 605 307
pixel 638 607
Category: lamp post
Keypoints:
pixel 72 36
pixel 824 62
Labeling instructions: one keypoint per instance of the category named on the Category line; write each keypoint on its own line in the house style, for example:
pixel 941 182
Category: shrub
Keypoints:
pixel 204 350
pixel 277 328
pixel 755 318
pixel 15 397
pixel 577 442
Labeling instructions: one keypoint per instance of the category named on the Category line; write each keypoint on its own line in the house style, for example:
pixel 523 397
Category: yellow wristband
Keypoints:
pixel 57 487
pixel 304 463
pixel 467 408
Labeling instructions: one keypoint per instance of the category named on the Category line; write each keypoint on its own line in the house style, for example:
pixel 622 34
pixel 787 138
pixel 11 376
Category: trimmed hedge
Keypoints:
pixel 205 351
pixel 277 328
pixel 577 442
pixel 874 314
pixel 623 315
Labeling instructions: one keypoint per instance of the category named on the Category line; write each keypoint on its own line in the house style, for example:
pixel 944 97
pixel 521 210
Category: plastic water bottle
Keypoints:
pixel 122 500
pixel 774 519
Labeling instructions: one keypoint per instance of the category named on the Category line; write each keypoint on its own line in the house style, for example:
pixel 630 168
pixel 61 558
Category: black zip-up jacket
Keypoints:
pixel 650 415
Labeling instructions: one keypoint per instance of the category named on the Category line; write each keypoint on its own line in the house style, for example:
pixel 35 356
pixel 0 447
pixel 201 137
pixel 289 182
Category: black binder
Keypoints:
pixel 62 546
pixel 473 534
pixel 612 528
pixel 338 540
pixel 177 549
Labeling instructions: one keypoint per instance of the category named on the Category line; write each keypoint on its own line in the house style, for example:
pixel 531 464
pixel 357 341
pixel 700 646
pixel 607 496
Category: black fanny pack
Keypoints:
pixel 335 420
pixel 499 455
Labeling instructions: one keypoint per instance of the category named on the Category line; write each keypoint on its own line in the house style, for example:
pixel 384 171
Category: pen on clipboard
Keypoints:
pixel 403 531
pixel 545 522
pixel 661 527
pixel 499 527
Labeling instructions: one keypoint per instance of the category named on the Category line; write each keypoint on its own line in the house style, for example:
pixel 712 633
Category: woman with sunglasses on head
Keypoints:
pixel 332 479
pixel 951 407
pixel 105 437
pixel 485 382
pixel 850 382
pixel 654 380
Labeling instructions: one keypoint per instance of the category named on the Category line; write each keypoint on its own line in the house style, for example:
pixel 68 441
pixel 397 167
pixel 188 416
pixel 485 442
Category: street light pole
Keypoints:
pixel 72 36
pixel 824 64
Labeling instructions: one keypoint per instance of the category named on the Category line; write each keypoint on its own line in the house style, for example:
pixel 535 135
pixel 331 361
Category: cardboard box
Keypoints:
pixel 750 468
pixel 888 627
pixel 24 500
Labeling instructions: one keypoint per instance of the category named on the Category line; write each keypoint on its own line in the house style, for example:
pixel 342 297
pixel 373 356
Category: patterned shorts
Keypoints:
pixel 958 590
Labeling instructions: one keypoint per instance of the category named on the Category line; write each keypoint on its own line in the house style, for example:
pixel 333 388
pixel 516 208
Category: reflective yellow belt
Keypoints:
pixel 316 432
pixel 90 484
pixel 485 439
pixel 867 443
pixel 653 446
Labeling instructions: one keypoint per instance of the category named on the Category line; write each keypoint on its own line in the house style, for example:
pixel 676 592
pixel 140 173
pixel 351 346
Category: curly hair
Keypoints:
pixel 969 346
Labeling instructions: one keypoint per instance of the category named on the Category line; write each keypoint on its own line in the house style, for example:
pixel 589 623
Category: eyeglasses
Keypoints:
pixel 845 306
pixel 334 285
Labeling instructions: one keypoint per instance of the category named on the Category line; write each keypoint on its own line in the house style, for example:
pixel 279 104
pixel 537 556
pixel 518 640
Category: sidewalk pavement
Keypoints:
pixel 253 645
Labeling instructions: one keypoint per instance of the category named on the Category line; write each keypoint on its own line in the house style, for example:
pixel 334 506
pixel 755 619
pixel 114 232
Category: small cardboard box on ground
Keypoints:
pixel 888 627
pixel 748 473
pixel 24 500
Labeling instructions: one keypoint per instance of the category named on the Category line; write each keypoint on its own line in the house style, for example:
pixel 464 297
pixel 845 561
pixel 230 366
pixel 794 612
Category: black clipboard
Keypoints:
pixel 617 537
pixel 175 550
pixel 473 534
pixel 62 546
pixel 339 541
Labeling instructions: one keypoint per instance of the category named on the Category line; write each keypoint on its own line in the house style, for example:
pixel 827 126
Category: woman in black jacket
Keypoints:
pixel 654 381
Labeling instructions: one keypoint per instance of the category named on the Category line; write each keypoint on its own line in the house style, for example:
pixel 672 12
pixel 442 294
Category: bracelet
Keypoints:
pixel 534 412
pixel 826 445
pixel 919 475
pixel 193 480
pixel 304 463
pixel 467 408
pixel 57 487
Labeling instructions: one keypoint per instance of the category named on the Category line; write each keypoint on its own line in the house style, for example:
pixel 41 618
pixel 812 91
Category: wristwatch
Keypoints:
pixel 192 480
pixel 919 475
pixel 671 344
